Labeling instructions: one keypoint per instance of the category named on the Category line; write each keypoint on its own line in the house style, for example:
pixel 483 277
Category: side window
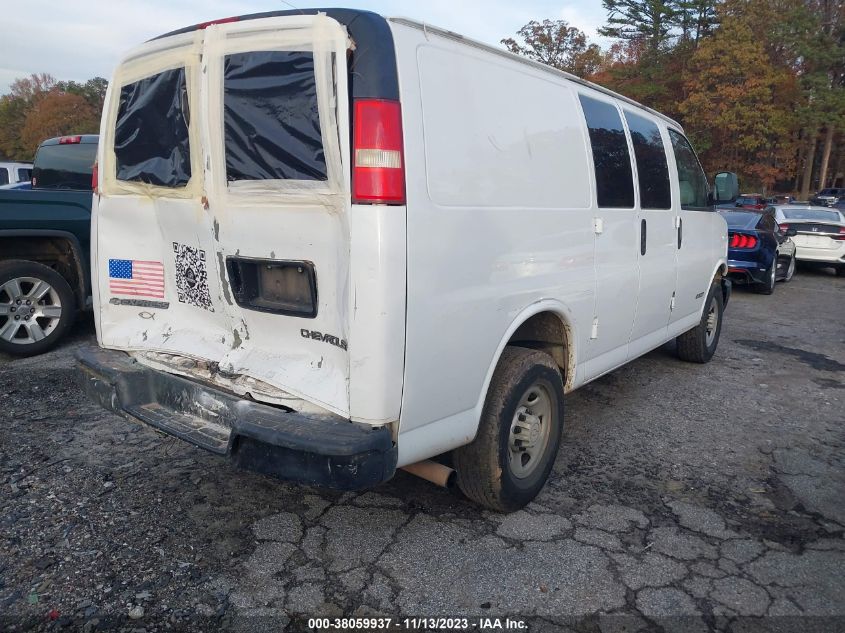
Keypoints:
pixel 4 176
pixel 151 141
pixel 691 179
pixel 24 175
pixel 652 167
pixel 614 180
pixel 270 117
pixel 767 222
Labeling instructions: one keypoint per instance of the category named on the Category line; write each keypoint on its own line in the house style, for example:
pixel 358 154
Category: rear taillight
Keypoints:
pixel 841 235
pixel 95 176
pixel 70 140
pixel 739 240
pixel 783 228
pixel 378 167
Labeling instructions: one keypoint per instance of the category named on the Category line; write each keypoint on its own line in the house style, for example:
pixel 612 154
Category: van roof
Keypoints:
pixel 530 62
pixel 372 76
pixel 375 75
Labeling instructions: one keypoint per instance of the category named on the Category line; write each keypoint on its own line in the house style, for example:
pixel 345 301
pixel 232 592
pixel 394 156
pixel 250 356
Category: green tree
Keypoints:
pixel 93 90
pixel 695 19
pixel 647 20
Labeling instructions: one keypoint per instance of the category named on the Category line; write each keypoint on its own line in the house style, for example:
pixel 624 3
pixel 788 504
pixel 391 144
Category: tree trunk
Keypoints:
pixel 840 165
pixel 828 143
pixel 808 167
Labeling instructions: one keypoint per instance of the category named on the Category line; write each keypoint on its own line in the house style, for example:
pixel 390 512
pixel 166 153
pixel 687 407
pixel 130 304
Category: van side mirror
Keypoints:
pixel 726 186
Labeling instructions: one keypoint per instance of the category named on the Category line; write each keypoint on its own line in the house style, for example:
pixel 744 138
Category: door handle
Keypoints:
pixel 680 231
pixel 643 235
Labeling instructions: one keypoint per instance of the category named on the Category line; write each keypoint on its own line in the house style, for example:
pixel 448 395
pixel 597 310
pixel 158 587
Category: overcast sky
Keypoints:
pixel 83 39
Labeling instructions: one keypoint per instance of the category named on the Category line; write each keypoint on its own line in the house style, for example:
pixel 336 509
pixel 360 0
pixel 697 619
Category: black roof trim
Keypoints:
pixel 372 67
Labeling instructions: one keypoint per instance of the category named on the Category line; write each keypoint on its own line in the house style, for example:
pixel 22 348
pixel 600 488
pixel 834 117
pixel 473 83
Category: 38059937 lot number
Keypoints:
pixel 407 624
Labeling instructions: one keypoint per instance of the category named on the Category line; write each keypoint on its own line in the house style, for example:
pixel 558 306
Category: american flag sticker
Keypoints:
pixel 137 278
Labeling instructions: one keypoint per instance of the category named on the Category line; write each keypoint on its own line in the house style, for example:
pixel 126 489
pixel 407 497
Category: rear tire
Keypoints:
pixel 498 469
pixel 699 344
pixel 37 306
pixel 790 269
pixel 768 286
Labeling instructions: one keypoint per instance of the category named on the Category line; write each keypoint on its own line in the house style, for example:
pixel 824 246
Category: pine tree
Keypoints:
pixel 647 20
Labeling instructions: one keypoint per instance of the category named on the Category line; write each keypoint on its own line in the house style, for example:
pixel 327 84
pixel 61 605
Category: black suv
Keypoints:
pixel 829 197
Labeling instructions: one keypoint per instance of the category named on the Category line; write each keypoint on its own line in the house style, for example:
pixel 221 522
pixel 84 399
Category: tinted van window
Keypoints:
pixel 270 117
pixel 4 176
pixel 652 168
pixel 614 180
pixel 66 166
pixel 24 175
pixel 691 179
pixel 151 137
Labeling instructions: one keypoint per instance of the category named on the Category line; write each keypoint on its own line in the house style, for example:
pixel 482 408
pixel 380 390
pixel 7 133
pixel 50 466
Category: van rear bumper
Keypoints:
pixel 306 448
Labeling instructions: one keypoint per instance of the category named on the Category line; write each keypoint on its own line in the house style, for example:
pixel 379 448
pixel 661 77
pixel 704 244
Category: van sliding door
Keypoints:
pixel 656 234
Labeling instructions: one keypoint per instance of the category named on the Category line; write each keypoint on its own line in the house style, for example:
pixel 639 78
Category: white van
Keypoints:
pixel 14 173
pixel 330 244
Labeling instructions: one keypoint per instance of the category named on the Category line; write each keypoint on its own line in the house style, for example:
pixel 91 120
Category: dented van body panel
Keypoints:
pixel 198 230
pixel 345 219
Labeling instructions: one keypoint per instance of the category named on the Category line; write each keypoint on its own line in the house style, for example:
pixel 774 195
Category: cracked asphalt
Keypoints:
pixel 684 498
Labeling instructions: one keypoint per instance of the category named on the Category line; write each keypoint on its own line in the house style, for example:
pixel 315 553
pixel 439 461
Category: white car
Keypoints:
pixel 820 233
pixel 13 173
pixel 357 243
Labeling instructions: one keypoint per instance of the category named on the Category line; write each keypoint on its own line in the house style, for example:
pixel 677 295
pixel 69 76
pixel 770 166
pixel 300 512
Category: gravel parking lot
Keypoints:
pixel 686 497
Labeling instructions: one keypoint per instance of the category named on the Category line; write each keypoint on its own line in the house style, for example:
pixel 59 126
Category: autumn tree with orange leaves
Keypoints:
pixel 740 106
pixel 38 107
pixel 759 85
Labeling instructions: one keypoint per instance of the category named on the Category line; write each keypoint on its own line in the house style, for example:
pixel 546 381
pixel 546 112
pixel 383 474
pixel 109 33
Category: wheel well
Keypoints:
pixel 547 332
pixel 56 252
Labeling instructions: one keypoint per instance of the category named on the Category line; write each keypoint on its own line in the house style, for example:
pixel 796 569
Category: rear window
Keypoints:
pixel 812 214
pixel 66 166
pixel 652 168
pixel 767 222
pixel 740 219
pixel 270 117
pixel 151 142
pixel 24 175
pixel 614 180
pixel 749 201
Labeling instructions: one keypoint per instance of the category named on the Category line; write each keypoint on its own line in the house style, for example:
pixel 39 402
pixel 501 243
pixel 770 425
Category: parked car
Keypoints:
pixel 828 197
pixel 12 173
pixel 44 254
pixel 751 201
pixel 782 199
pixel 382 255
pixel 820 234
pixel 759 253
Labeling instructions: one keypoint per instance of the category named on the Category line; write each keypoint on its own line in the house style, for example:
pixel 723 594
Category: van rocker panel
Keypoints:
pixel 322 450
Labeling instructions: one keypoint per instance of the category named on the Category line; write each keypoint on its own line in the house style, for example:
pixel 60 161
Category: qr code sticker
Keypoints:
pixel 192 276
